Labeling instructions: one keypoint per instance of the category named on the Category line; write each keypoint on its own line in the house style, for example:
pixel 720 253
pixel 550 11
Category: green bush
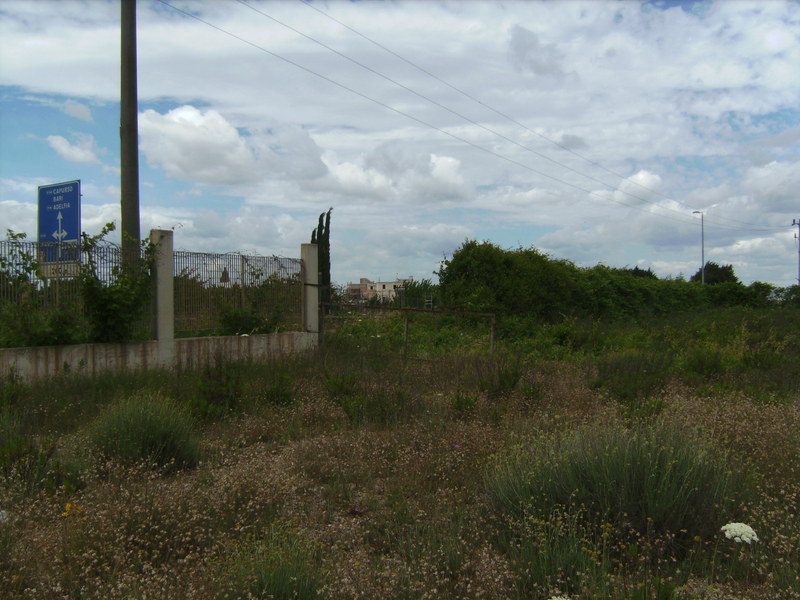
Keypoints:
pixel 147 428
pixel 657 479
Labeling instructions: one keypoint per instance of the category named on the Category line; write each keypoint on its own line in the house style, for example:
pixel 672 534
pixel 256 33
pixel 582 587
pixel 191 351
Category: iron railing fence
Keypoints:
pixel 45 269
pixel 41 278
pixel 236 293
pixel 214 294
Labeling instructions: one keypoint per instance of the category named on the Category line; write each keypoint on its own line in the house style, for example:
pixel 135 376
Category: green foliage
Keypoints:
pixel 714 274
pixel 632 376
pixel 463 404
pixel 497 375
pixel 526 289
pixel 560 552
pixel 13 389
pixel 282 566
pixel 114 307
pixel 341 385
pixel 482 277
pixel 322 237
pixel 32 463
pixel 237 320
pixel 280 390
pixel 147 428
pixel 216 390
pixel 24 322
pixel 657 479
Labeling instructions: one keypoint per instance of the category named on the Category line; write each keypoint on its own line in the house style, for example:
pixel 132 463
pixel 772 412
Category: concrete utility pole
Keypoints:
pixel 797 237
pixel 702 246
pixel 129 134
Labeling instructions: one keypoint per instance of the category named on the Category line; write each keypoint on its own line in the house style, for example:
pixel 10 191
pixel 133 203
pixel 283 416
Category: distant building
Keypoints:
pixel 366 290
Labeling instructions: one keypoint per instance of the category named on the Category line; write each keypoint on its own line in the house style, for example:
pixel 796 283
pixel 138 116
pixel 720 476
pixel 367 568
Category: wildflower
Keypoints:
pixel 72 510
pixel 4 516
pixel 740 532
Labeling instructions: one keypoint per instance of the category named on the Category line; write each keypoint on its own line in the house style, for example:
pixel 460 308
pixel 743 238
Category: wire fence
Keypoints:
pixel 214 294
pixel 236 293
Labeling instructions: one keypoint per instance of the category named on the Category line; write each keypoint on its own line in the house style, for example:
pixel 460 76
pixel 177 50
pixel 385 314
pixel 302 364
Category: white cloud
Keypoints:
pixel 203 146
pixel 776 185
pixel 77 110
pixel 83 151
pixel 529 54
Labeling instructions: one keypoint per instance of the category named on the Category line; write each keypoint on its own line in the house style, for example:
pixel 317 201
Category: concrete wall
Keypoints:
pixel 191 353
pixel 165 351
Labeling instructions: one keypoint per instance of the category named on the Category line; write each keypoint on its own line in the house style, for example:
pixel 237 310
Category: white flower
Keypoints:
pixel 4 516
pixel 740 532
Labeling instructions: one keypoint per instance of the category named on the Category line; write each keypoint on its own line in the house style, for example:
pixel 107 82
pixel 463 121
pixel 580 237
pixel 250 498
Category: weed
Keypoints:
pixel 281 566
pixel 463 404
pixel 217 390
pixel 341 385
pixel 633 375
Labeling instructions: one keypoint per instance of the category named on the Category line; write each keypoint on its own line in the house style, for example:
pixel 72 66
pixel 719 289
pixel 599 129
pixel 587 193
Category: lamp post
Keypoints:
pixel 702 246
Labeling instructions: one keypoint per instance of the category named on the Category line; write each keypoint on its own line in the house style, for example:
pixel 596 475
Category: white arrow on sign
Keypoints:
pixel 60 234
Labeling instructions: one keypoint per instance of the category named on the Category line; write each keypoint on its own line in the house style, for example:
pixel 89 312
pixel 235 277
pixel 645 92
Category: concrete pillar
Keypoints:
pixel 308 254
pixel 163 289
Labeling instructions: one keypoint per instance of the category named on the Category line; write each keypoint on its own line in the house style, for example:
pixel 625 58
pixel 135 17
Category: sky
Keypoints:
pixel 592 131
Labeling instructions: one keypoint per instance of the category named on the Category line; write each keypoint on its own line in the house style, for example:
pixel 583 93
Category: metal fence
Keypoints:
pixel 214 294
pixel 236 293
pixel 44 275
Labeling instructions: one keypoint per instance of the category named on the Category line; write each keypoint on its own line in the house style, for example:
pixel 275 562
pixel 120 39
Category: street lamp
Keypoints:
pixel 702 246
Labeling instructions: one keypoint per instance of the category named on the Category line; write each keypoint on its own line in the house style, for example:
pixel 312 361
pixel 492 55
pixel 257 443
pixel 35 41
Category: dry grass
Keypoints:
pixel 391 508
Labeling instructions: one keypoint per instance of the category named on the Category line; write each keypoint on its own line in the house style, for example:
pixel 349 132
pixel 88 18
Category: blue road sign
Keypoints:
pixel 60 221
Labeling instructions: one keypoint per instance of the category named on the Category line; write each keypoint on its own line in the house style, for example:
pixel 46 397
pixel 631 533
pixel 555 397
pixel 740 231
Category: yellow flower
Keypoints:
pixel 72 509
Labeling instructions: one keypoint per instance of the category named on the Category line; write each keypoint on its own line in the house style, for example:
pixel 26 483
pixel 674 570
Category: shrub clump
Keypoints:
pixel 660 479
pixel 147 428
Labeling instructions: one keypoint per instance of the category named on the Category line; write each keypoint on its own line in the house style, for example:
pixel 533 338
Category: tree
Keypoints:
pixel 715 274
pixel 322 237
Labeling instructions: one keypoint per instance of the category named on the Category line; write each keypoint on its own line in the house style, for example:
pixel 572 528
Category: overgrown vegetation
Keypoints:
pixel 527 288
pixel 588 459
pixel 99 305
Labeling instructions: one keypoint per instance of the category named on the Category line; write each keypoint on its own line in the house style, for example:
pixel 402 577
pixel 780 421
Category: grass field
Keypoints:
pixel 584 460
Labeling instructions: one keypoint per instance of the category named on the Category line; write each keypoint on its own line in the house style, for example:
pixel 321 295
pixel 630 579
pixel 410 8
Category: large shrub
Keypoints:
pixel 147 428
pixel 658 479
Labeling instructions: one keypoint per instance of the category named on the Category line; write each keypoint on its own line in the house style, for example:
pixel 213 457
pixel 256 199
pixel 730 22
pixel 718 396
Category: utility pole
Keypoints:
pixel 797 237
pixel 702 246
pixel 129 134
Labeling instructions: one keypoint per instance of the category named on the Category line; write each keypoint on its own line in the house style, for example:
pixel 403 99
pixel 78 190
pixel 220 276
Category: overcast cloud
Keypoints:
pixel 590 130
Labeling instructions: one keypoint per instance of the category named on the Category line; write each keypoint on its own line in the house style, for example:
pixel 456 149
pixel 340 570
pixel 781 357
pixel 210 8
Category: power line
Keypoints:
pixel 677 213
pixel 440 105
pixel 505 116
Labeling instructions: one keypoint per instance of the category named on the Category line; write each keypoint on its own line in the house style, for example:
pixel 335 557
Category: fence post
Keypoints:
pixel 163 292
pixel 310 293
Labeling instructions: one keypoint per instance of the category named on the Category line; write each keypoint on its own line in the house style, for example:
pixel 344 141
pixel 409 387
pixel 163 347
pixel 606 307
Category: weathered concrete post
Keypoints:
pixel 308 254
pixel 164 295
